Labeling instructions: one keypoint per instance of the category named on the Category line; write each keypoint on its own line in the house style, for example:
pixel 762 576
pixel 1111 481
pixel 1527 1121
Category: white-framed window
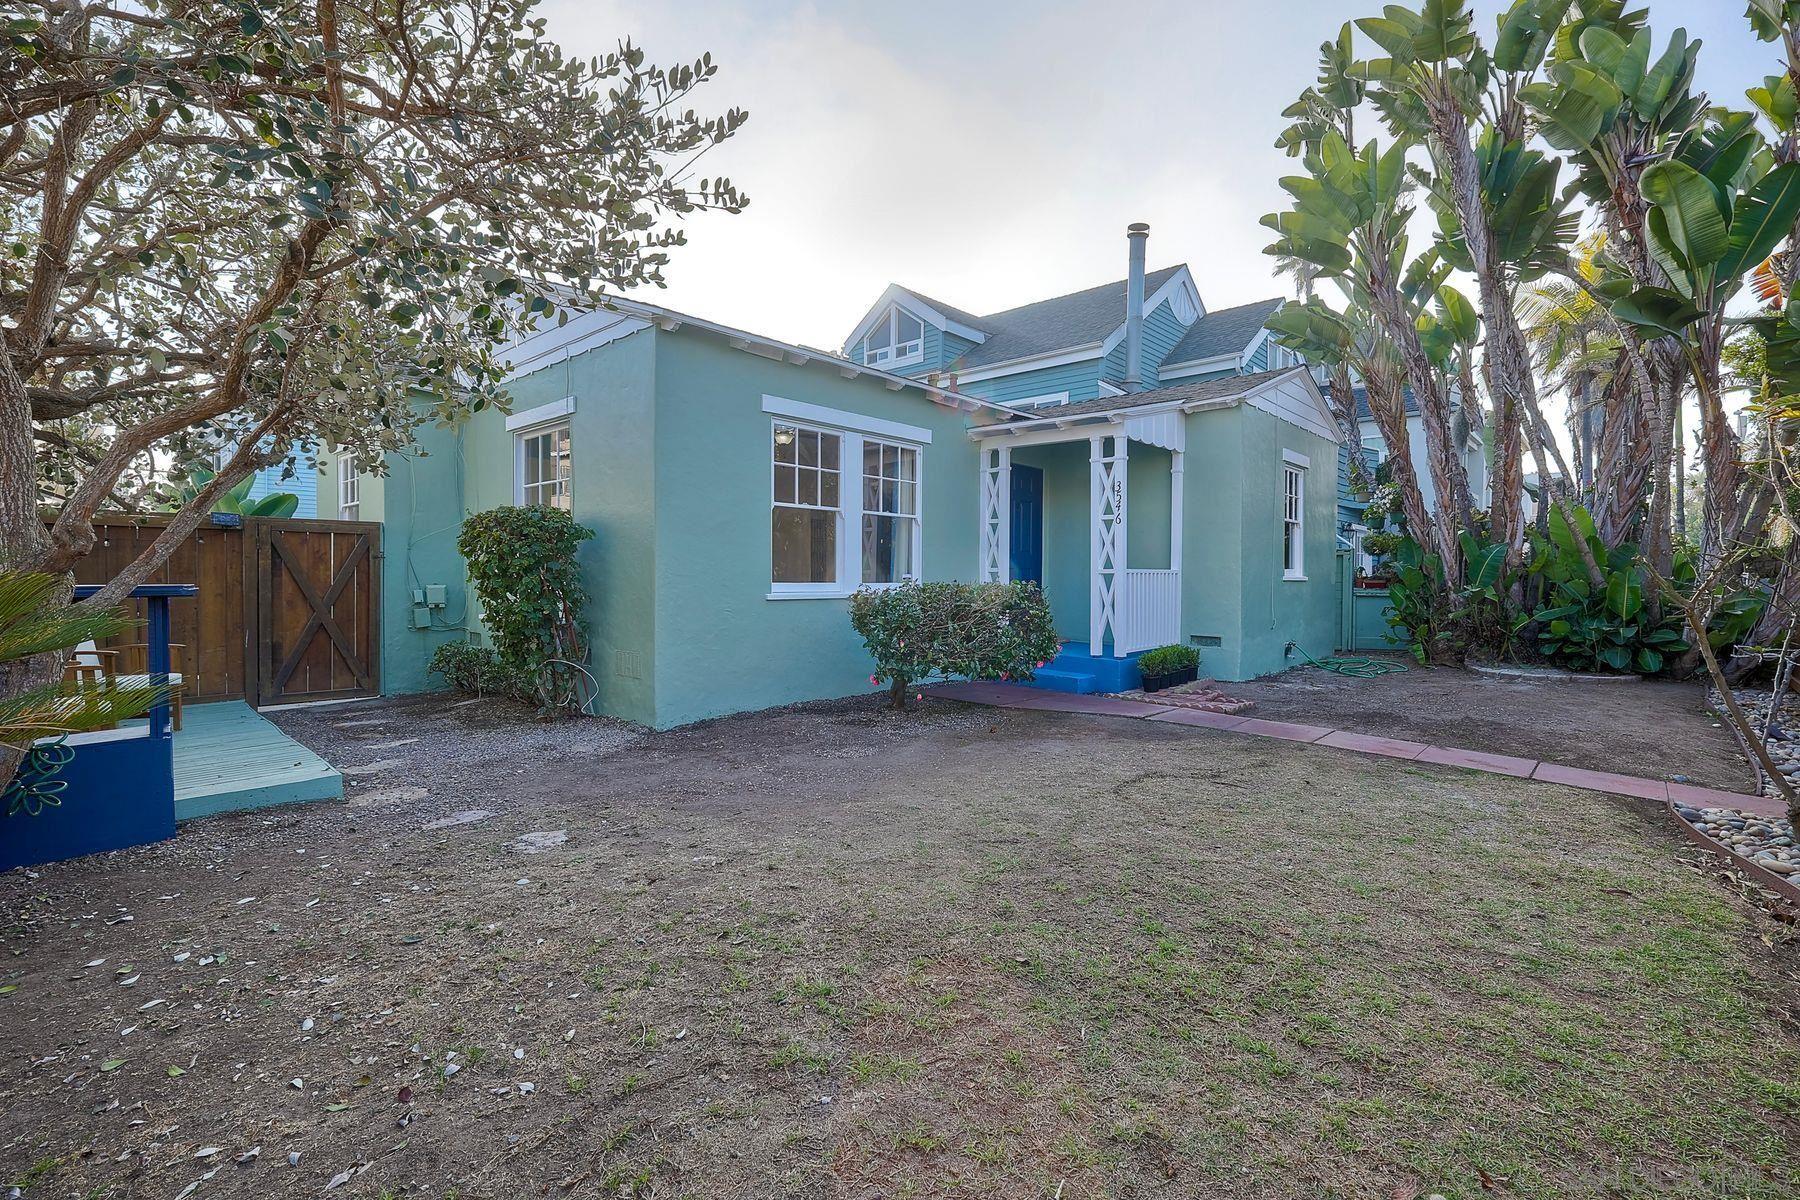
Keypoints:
pixel 349 490
pixel 542 466
pixel 890 507
pixel 1293 521
pixel 830 535
pixel 897 339
pixel 1374 452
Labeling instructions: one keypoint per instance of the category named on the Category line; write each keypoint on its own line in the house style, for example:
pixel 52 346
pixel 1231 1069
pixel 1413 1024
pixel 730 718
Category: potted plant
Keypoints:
pixel 1168 666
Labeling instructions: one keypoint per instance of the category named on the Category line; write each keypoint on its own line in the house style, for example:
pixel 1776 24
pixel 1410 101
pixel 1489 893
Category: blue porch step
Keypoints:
pixel 1076 669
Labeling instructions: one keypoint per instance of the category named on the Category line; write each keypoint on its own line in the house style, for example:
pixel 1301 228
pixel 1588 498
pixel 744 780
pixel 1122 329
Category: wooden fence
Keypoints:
pixel 288 611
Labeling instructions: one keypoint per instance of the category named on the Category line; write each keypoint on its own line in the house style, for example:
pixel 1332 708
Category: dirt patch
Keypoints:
pixel 1652 728
pixel 835 952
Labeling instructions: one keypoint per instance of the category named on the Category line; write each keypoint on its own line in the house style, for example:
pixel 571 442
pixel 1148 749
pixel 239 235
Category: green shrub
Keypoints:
pixel 1608 628
pixel 1166 660
pixel 918 631
pixel 476 670
pixel 521 562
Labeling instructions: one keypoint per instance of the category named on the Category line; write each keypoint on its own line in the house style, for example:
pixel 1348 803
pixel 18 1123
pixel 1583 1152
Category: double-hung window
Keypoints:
pixel 890 505
pixel 349 489
pixel 898 339
pixel 1293 520
pixel 808 515
pixel 845 510
pixel 543 466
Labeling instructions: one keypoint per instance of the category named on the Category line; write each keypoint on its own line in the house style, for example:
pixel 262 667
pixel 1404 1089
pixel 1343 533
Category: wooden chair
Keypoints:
pixel 90 666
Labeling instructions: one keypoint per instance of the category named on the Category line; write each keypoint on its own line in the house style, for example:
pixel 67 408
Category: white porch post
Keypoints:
pixel 996 514
pixel 1107 540
pixel 1177 489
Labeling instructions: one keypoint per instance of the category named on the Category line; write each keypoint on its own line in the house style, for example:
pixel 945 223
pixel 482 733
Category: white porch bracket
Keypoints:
pixel 1107 542
pixel 996 514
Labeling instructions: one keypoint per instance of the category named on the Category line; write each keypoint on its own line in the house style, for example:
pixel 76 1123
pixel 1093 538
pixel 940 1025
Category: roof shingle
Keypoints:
pixel 1225 331
pixel 1044 326
pixel 1209 389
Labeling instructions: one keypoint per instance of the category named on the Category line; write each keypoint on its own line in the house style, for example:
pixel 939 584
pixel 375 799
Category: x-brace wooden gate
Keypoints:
pixel 317 627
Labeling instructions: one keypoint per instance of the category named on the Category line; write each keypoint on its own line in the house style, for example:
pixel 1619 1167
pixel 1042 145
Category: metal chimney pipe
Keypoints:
pixel 1137 234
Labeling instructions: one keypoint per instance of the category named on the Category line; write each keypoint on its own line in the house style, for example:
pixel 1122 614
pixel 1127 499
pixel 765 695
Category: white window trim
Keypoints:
pixel 543 414
pixel 1295 466
pixel 523 434
pixel 850 483
pixel 349 490
pixel 891 319
pixel 1044 401
pixel 832 419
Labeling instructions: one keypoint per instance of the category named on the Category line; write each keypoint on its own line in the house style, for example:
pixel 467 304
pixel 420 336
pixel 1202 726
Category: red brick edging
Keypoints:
pixel 1012 695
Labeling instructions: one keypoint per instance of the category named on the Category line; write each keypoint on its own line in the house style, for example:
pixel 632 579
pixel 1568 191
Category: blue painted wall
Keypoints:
pixel 1161 332
pixel 941 349
pixel 304 483
pixel 1081 380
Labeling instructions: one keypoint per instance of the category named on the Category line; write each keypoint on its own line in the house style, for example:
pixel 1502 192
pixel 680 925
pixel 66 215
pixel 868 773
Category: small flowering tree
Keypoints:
pixel 919 631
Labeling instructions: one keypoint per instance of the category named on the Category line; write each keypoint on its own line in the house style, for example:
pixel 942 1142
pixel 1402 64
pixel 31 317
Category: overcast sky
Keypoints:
pixel 992 153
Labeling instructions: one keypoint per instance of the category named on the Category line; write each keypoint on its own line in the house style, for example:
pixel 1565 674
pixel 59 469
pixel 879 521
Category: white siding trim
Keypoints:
pixel 1294 398
pixel 1016 366
pixel 581 333
pixel 800 411
pixel 552 411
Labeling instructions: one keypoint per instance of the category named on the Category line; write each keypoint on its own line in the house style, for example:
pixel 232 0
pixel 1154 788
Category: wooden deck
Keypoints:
pixel 229 759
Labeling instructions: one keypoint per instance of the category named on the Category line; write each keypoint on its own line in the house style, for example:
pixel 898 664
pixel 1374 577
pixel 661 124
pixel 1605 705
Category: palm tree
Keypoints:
pixel 36 620
pixel 1575 345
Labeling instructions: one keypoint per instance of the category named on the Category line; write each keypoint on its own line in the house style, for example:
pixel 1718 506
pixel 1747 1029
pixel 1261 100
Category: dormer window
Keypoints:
pixel 897 339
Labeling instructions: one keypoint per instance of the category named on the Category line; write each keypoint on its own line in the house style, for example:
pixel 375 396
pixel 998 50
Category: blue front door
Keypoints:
pixel 1027 524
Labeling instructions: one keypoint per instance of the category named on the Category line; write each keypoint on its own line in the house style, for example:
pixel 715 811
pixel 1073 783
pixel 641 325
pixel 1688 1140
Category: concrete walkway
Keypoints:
pixel 1012 695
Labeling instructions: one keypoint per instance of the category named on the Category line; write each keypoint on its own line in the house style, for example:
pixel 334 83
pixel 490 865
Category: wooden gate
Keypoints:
pixel 316 620
pixel 288 610
pixel 211 629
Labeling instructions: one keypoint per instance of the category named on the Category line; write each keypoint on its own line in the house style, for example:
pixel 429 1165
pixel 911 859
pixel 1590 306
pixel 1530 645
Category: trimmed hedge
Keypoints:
pixel 920 631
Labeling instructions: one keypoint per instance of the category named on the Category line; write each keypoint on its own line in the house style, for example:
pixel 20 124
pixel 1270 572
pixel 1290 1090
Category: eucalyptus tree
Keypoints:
pixel 280 225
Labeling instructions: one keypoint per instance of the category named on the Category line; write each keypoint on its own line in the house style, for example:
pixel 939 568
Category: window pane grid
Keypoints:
pixel 545 467
pixel 1292 520
pixel 890 512
pixel 806 499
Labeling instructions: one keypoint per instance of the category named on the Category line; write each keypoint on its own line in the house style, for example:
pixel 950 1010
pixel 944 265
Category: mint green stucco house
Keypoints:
pixel 1139 456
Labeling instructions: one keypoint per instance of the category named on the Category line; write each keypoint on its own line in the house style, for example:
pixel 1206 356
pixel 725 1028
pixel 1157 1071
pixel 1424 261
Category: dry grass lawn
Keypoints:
pixel 833 953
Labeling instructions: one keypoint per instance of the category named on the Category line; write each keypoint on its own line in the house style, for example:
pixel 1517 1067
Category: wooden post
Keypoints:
pixel 1107 540
pixel 996 515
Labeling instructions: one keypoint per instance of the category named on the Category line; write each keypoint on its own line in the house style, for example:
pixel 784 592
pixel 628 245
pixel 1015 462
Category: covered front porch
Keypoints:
pixel 1089 505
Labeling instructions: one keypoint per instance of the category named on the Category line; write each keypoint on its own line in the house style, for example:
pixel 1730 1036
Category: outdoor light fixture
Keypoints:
pixel 784 435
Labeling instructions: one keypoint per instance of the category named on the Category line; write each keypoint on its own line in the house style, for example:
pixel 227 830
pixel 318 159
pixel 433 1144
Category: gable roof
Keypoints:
pixel 1266 390
pixel 944 316
pixel 592 325
pixel 1222 331
pixel 1081 318
pixel 1181 393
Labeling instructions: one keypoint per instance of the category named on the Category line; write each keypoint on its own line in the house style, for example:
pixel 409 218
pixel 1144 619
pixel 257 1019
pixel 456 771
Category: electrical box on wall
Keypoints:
pixel 436 595
pixel 418 595
pixel 421 618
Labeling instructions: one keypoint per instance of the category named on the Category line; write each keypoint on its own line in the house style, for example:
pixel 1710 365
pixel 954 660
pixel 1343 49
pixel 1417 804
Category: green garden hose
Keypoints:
pixel 1355 668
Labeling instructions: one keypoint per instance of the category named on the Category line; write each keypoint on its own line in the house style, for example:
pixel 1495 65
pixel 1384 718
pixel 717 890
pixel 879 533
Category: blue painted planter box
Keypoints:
pixel 120 793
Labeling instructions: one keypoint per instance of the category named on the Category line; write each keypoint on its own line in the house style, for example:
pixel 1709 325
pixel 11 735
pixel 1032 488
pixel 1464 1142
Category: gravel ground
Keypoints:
pixel 834 952
pixel 436 752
